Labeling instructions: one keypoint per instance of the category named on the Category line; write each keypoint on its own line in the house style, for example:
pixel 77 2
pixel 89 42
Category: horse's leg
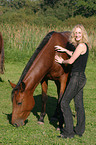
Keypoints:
pixel 56 112
pixel 44 85
pixel 61 85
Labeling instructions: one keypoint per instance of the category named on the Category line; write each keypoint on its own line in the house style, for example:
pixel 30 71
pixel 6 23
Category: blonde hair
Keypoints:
pixel 85 38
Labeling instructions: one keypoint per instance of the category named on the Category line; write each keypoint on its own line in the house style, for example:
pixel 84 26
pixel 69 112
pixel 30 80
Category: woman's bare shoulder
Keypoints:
pixel 83 47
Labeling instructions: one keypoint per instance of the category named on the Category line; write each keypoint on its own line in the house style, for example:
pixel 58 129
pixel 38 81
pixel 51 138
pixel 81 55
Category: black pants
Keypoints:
pixel 74 90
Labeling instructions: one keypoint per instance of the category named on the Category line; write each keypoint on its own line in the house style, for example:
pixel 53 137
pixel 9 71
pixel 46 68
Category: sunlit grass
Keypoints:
pixel 33 133
pixel 20 42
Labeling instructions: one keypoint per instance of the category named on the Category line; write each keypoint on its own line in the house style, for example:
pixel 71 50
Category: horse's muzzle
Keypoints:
pixel 18 123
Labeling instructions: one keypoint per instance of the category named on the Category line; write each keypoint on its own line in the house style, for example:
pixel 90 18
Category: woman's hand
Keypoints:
pixel 59 48
pixel 59 59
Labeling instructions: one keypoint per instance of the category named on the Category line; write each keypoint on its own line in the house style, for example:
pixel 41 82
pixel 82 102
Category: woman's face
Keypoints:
pixel 78 34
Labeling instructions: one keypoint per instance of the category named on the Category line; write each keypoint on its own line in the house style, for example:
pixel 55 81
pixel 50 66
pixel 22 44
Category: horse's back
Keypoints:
pixel 57 70
pixel 66 33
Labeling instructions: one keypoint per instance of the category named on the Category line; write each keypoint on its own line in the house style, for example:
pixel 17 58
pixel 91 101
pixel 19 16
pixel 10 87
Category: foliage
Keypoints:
pixel 13 3
pixel 87 22
pixel 60 9
pixel 61 13
pixel 47 21
pixel 86 8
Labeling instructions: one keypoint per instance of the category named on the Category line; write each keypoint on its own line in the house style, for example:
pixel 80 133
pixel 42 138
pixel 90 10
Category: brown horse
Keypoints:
pixel 1 54
pixel 40 68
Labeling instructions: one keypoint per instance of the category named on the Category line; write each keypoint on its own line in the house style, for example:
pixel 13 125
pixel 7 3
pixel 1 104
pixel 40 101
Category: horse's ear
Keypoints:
pixel 22 86
pixel 12 85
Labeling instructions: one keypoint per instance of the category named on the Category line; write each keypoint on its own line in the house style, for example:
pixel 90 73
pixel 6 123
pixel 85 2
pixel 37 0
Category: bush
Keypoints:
pixel 87 22
pixel 47 21
pixel 61 13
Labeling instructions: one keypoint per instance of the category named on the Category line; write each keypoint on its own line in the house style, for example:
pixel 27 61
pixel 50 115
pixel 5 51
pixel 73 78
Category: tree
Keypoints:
pixel 86 8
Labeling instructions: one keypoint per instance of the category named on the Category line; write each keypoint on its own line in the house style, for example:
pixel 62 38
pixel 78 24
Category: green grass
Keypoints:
pixel 33 133
pixel 20 43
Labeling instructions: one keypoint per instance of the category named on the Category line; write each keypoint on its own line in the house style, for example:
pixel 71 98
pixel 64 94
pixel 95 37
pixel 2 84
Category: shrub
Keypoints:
pixel 47 21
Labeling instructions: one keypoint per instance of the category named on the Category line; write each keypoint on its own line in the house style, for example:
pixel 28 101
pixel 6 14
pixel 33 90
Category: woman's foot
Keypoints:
pixel 67 136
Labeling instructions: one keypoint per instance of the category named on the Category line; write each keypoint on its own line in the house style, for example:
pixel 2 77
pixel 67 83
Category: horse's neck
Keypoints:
pixel 38 70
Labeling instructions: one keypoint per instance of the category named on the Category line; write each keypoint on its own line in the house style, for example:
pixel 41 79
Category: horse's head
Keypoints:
pixel 23 103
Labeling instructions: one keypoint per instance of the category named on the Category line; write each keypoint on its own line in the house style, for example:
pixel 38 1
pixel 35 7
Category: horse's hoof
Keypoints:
pixel 40 122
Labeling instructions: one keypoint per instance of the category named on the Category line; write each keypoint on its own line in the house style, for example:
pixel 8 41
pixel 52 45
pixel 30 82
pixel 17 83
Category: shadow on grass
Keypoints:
pixel 9 118
pixel 1 80
pixel 50 108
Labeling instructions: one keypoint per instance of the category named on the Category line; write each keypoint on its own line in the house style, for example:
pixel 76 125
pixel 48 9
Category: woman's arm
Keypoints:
pixel 80 50
pixel 61 49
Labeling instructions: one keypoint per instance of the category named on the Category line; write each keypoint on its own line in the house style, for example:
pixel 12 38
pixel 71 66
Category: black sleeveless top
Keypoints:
pixel 79 64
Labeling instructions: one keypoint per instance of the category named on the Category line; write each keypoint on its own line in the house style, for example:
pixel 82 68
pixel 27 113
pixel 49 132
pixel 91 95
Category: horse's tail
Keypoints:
pixel 1 54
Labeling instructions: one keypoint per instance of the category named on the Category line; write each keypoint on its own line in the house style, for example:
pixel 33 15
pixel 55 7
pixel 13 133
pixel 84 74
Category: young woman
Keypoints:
pixel 78 59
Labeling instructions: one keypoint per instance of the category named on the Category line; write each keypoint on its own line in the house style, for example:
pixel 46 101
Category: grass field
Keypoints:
pixel 33 133
pixel 18 40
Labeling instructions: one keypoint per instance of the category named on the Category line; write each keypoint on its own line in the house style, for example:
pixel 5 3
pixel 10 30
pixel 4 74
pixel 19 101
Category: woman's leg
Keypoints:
pixel 70 92
pixel 79 107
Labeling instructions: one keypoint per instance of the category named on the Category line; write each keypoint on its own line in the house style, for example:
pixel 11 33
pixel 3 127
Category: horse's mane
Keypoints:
pixel 39 48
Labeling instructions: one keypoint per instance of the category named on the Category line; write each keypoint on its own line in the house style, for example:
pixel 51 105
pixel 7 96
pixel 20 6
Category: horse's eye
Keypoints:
pixel 19 103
